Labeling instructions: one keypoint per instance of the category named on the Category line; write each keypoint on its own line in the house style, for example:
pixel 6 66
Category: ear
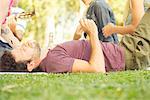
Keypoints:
pixel 31 66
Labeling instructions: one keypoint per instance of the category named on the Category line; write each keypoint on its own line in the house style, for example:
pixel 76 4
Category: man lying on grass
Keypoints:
pixel 85 56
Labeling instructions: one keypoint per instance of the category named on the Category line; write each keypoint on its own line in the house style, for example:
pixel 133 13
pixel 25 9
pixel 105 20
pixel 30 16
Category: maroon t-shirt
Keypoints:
pixel 61 58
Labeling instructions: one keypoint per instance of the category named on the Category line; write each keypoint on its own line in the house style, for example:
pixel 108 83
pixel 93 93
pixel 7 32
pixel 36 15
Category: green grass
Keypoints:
pixel 130 85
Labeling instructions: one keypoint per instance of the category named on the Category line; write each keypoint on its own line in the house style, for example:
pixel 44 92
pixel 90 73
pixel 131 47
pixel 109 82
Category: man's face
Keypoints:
pixel 25 52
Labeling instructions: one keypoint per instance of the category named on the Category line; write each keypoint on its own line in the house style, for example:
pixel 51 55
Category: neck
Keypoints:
pixel 44 53
pixel 37 61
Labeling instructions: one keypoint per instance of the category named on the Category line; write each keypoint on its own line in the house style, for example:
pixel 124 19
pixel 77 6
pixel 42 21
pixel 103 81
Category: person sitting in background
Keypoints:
pixel 101 14
pixel 133 42
pixel 134 12
pixel 6 37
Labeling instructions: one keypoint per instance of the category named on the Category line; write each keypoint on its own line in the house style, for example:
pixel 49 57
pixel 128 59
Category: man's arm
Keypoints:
pixel 9 36
pixel 96 62
pixel 16 27
pixel 137 11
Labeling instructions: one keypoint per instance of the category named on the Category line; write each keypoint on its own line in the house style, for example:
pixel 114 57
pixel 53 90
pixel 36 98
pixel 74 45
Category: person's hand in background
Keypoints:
pixel 108 29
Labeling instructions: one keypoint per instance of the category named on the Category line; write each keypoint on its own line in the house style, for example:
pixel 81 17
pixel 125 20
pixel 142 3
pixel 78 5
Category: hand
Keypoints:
pixel 79 30
pixel 107 30
pixel 89 26
pixel 9 36
pixel 11 22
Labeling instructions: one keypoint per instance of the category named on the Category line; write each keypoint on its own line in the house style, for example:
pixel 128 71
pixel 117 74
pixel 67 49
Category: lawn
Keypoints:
pixel 130 85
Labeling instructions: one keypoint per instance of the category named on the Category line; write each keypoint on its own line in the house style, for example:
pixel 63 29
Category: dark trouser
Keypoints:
pixel 137 45
pixel 101 14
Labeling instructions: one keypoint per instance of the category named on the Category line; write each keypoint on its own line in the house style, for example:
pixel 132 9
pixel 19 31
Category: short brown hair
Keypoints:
pixel 8 64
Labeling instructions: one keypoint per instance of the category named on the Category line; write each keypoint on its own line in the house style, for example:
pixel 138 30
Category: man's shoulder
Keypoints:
pixel 73 44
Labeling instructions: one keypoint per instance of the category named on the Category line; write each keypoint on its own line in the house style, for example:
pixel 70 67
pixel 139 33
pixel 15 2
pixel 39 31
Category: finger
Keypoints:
pixel 103 29
pixel 105 35
pixel 86 22
pixel 81 22
pixel 79 26
pixel 104 32
pixel 92 21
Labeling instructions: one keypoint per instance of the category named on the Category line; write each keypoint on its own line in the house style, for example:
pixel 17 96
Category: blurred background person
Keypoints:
pixel 133 13
pixel 17 25
pixel 101 14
